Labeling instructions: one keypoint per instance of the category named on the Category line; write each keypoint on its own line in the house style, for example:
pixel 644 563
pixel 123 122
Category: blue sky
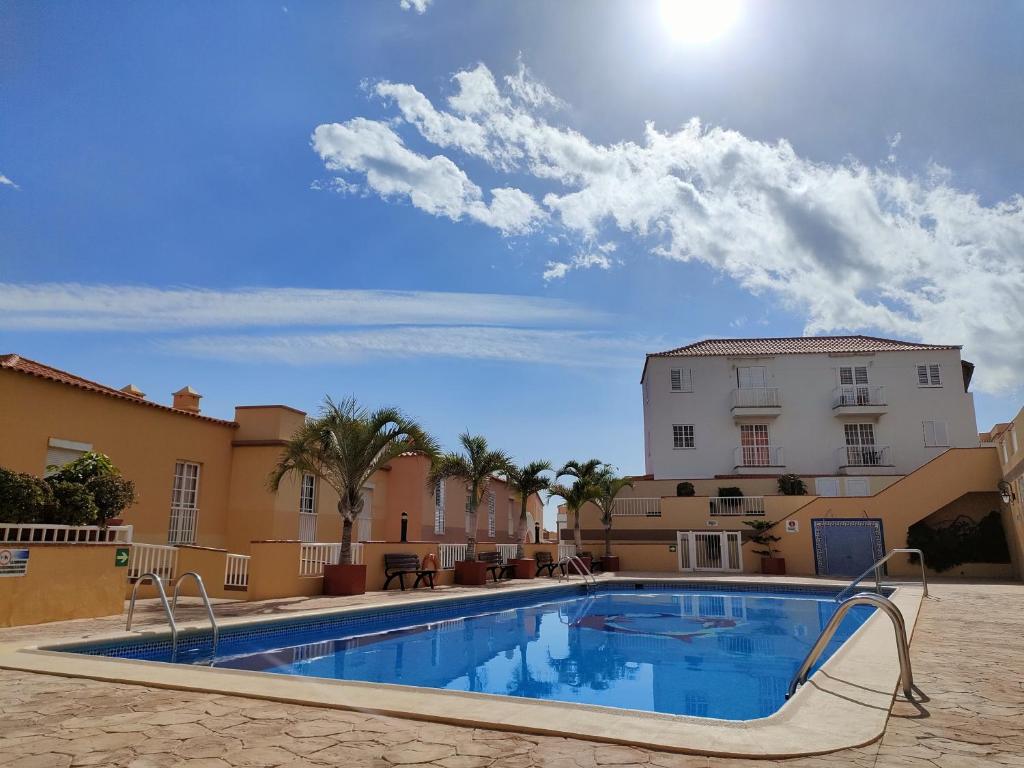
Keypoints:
pixel 228 195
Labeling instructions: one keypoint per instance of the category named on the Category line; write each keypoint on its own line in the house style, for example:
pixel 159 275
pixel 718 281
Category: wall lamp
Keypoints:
pixel 1006 492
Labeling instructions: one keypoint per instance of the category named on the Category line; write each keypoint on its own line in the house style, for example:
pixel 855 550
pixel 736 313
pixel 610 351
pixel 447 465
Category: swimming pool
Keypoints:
pixel 717 652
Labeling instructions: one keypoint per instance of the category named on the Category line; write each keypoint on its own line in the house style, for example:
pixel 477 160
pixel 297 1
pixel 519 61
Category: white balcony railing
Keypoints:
pixel 182 528
pixel 864 456
pixel 637 507
pixel 449 554
pixel 566 550
pixel 236 571
pixel 857 394
pixel 307 526
pixel 314 555
pixel 758 456
pixel 16 533
pixel 160 559
pixel 507 552
pixel 752 506
pixel 756 397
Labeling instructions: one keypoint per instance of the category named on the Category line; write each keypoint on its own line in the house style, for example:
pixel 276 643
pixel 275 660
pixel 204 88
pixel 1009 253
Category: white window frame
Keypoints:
pixel 750 378
pixel 936 434
pixel 492 504
pixel 855 377
pixel 681 380
pixel 684 437
pixel 184 517
pixel 439 508
pixel 307 494
pixel 929 375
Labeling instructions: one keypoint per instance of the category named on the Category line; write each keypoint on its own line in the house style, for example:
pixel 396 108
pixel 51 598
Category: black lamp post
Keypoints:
pixel 405 526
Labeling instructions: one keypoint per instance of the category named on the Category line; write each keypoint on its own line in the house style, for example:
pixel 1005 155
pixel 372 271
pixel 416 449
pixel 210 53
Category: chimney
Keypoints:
pixel 186 399
pixel 131 389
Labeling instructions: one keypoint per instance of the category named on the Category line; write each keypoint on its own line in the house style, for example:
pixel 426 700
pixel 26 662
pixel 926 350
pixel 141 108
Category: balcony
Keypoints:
pixel 747 506
pixel 864 460
pixel 752 458
pixel 858 400
pixel 757 401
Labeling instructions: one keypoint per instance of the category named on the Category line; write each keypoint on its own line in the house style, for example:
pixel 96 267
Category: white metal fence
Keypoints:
pixel 182 528
pixel 307 526
pixel 314 555
pixel 756 397
pixel 507 552
pixel 864 456
pixel 12 533
pixel 638 506
pixel 156 558
pixel 857 394
pixel 566 550
pixel 236 571
pixel 709 550
pixel 450 554
pixel 758 456
pixel 737 505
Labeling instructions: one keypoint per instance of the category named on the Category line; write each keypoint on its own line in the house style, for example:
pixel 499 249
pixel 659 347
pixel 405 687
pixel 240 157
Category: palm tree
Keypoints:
pixel 609 487
pixel 344 446
pixel 475 468
pixel 584 488
pixel 526 481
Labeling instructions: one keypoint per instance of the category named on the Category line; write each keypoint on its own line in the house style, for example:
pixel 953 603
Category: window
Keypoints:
pixel 929 375
pixel 491 503
pixel 860 446
pixel 755 445
pixel 857 374
pixel 751 377
pixel 1006 453
pixel 682 436
pixel 307 495
pixel 1013 439
pixel 439 507
pixel 936 433
pixel 61 452
pixel 681 380
pixel 184 504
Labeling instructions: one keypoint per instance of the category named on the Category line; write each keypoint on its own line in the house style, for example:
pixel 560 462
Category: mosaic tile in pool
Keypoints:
pixel 712 652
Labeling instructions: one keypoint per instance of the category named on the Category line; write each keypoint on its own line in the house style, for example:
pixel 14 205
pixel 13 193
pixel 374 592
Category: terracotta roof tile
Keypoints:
pixel 796 345
pixel 21 364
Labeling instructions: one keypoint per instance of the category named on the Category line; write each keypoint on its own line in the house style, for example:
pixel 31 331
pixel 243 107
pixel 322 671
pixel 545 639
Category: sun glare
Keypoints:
pixel 699 21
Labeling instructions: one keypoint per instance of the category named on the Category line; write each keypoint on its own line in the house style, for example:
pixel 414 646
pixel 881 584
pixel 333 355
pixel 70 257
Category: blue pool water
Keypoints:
pixel 686 651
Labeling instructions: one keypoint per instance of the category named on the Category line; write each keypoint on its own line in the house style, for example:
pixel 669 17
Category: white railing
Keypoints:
pixel 449 554
pixel 857 394
pixel 236 571
pixel 507 552
pixel 737 505
pixel 314 555
pixel 182 528
pixel 160 559
pixel 864 456
pixel 637 506
pixel 11 533
pixel 566 550
pixel 307 526
pixel 758 456
pixel 756 397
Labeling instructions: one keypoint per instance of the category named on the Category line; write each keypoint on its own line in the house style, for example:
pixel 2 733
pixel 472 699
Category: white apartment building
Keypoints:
pixel 816 406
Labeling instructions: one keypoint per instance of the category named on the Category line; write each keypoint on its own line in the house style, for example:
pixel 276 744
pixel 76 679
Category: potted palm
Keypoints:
pixel 474 467
pixel 344 446
pixel 526 481
pixel 770 565
pixel 609 487
pixel 584 487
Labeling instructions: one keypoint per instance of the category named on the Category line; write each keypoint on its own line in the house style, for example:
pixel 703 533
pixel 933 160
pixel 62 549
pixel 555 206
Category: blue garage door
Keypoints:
pixel 847 547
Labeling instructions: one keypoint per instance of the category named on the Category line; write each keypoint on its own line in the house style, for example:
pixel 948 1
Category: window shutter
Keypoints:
pixel 933 375
pixel 439 507
pixel 58 457
pixel 941 433
pixel 929 433
pixel 687 379
pixel 861 374
pixel 491 527
pixel 846 375
pixel 677 380
pixel 922 375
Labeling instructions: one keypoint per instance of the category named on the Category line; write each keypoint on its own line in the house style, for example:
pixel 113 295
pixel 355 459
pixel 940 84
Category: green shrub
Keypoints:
pixel 792 485
pixel 23 498
pixel 960 541
pixel 730 490
pixel 685 488
pixel 73 504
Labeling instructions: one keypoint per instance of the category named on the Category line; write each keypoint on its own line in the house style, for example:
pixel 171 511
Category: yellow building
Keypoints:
pixel 1008 440
pixel 202 480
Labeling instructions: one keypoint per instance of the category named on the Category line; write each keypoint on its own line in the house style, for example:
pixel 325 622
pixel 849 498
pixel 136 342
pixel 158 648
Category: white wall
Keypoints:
pixel 806 427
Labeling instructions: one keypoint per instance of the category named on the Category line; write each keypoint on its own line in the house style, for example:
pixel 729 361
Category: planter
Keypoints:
pixel 113 521
pixel 526 568
pixel 471 573
pixel 573 566
pixel 610 563
pixel 773 566
pixel 344 579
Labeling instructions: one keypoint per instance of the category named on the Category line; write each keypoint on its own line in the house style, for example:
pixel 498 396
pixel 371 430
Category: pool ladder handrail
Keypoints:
pixel 900 627
pixel 581 568
pixel 159 584
pixel 206 602
pixel 876 568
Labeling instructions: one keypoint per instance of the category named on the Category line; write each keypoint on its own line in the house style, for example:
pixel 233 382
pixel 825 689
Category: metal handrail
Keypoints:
pixel 581 569
pixel 206 602
pixel 159 584
pixel 877 568
pixel 902 646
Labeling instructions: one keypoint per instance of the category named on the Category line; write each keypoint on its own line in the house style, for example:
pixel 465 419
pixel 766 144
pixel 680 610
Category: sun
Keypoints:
pixel 699 21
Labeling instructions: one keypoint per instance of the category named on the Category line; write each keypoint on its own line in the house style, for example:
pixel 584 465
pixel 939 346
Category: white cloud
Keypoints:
pixel 594 258
pixel 850 247
pixel 420 6
pixel 4 181
pixel 514 345
pixel 127 308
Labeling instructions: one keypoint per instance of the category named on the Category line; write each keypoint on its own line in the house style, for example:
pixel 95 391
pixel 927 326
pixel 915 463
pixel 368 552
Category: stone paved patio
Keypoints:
pixel 968 657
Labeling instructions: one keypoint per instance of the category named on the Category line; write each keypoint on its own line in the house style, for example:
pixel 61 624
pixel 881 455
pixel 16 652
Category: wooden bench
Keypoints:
pixel 397 565
pixel 545 562
pixel 494 566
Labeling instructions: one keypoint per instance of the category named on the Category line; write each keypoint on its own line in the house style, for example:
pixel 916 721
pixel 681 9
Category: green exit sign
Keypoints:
pixel 121 557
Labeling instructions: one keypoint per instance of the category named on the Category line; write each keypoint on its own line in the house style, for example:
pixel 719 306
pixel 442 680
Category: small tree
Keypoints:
pixel 584 488
pixel 792 485
pixel 609 487
pixel 762 537
pixel 475 468
pixel 344 447
pixel 24 498
pixel 526 481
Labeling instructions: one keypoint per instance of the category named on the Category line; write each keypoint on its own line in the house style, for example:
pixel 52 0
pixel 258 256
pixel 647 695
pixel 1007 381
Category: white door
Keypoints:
pixel 364 523
pixel 826 486
pixel 709 550
pixel 858 486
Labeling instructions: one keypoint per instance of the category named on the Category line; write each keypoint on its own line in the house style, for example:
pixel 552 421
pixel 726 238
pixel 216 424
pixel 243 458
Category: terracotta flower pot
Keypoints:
pixel 572 566
pixel 344 579
pixel 526 568
pixel 471 573
pixel 114 521
pixel 773 566
pixel 610 563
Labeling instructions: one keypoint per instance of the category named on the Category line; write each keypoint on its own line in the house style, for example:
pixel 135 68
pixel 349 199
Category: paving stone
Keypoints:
pixel 418 752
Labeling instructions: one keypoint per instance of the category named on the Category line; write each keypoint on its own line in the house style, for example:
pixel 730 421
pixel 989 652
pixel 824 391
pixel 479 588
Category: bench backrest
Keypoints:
pixel 401 561
pixel 543 557
pixel 489 557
